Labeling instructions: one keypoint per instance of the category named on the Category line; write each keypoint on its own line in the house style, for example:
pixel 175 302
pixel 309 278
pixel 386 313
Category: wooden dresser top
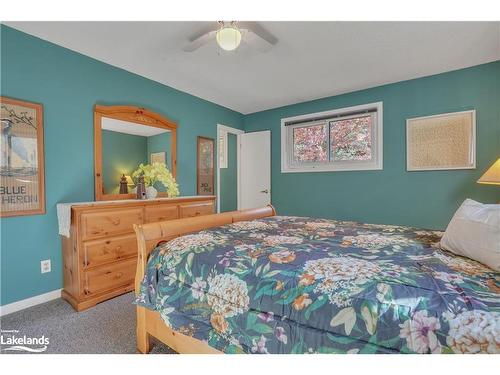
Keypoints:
pixel 138 202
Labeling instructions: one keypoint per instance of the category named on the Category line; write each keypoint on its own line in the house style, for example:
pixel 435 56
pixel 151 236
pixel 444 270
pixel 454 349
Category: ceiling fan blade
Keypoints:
pixel 200 38
pixel 257 36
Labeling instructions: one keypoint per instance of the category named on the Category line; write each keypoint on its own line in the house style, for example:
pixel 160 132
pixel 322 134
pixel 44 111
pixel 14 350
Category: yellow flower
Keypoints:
pixel 306 279
pixel 219 323
pixel 255 253
pixel 492 285
pixel 158 172
pixel 282 256
pixel 301 302
pixel 279 285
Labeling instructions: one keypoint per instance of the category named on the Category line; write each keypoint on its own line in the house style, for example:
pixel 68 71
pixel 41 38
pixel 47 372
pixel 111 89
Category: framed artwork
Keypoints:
pixel 158 157
pixel 205 166
pixel 22 185
pixel 445 141
pixel 223 150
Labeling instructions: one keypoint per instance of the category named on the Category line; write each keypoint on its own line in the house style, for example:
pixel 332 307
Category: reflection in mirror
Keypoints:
pixel 125 145
pixel 228 173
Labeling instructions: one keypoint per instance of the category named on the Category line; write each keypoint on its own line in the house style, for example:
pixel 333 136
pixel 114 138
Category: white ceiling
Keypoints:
pixel 132 128
pixel 311 60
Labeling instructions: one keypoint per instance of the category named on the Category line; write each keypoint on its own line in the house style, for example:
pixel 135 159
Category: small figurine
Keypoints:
pixel 123 185
pixel 141 188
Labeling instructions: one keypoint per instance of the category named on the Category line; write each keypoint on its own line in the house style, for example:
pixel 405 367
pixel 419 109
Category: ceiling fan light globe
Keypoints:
pixel 228 38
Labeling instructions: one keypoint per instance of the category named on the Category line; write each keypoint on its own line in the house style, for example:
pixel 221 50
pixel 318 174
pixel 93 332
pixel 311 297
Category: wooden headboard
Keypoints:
pixel 149 235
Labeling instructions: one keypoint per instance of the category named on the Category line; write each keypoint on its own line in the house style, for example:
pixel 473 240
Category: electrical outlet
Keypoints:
pixel 45 266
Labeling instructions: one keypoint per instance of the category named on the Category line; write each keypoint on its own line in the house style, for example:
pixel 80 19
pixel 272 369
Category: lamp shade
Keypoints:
pixel 130 182
pixel 492 175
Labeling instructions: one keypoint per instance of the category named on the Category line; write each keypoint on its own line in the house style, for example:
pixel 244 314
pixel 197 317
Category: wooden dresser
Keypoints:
pixel 99 256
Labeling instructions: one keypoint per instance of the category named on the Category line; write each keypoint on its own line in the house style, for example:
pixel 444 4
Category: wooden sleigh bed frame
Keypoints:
pixel 149 323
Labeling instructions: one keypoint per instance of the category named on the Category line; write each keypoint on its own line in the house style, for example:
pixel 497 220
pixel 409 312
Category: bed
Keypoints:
pixel 253 282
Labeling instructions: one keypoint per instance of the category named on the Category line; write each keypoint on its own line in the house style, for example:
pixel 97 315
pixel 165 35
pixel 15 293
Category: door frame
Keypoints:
pixel 238 132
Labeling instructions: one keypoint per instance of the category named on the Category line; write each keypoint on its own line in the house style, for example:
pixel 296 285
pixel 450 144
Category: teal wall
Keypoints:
pixel 229 178
pixel 394 196
pixel 68 85
pixel 121 154
pixel 158 143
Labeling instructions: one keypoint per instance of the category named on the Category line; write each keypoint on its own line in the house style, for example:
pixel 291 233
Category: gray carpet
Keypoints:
pixel 108 327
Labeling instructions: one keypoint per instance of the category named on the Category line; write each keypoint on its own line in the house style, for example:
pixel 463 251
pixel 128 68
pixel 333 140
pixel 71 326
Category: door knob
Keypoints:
pixel 265 191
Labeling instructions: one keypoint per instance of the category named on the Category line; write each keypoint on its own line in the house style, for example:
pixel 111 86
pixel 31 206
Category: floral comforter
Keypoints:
pixel 303 285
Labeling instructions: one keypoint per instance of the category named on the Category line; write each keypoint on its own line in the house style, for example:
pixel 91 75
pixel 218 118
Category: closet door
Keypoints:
pixel 255 169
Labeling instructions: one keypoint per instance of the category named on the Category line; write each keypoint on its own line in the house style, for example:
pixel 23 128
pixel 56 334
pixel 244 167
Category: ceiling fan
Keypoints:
pixel 229 35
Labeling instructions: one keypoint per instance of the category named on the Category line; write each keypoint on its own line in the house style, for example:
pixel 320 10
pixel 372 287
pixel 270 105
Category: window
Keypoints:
pixel 310 144
pixel 339 140
pixel 223 149
pixel 351 138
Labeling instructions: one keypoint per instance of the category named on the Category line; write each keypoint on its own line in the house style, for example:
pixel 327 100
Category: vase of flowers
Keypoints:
pixel 157 173
pixel 151 192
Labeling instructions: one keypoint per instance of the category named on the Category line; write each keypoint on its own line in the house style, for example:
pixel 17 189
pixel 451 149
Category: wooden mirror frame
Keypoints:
pixel 136 115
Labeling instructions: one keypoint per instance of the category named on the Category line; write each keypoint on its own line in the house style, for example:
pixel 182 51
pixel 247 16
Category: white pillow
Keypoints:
pixel 474 232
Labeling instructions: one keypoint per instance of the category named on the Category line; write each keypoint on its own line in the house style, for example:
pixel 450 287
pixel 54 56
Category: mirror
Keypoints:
pixel 126 145
pixel 125 137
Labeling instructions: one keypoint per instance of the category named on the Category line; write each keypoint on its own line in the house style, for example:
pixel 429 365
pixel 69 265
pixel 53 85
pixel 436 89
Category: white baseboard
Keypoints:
pixel 28 302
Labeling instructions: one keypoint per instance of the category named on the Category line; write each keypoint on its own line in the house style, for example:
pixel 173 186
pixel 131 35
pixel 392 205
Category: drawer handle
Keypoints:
pixel 197 213
pixel 118 275
pixel 116 221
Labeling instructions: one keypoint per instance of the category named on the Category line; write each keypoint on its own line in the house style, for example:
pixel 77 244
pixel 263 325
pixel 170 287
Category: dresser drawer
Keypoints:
pixel 105 223
pixel 110 276
pixel 110 249
pixel 161 213
pixel 196 209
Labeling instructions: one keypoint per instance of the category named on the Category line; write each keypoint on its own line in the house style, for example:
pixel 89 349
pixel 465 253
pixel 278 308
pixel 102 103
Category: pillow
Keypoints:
pixel 474 232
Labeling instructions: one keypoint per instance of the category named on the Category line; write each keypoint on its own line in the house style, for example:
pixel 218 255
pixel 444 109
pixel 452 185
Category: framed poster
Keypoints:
pixel 158 157
pixel 223 149
pixel 22 185
pixel 205 166
pixel 445 141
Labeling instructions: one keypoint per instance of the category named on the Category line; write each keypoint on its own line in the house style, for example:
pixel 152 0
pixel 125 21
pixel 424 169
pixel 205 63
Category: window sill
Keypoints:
pixel 351 168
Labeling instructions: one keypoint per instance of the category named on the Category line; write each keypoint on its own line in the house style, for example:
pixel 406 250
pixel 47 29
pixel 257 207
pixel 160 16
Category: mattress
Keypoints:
pixel 302 285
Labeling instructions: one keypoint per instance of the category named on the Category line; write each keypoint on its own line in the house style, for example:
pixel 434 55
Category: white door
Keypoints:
pixel 255 169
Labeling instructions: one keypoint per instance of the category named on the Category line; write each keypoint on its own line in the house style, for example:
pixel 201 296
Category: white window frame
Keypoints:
pixel 376 163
